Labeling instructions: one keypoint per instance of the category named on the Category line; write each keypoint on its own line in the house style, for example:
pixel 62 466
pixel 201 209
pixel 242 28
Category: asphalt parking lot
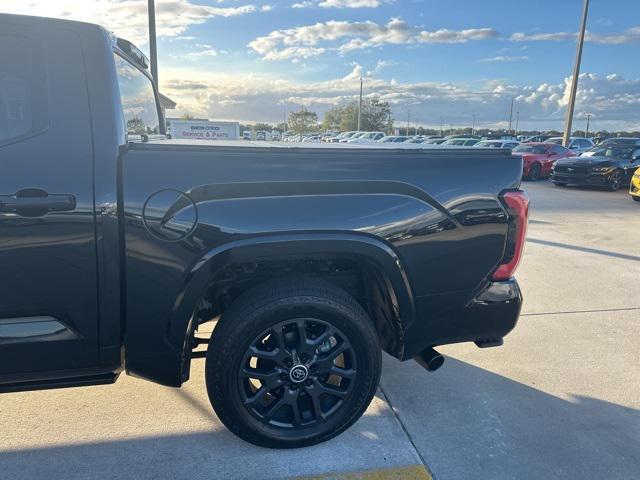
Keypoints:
pixel 561 398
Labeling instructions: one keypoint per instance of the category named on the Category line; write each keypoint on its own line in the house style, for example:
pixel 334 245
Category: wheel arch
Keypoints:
pixel 386 276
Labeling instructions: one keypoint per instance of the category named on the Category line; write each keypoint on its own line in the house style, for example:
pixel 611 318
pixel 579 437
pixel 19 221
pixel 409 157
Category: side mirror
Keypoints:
pixel 573 147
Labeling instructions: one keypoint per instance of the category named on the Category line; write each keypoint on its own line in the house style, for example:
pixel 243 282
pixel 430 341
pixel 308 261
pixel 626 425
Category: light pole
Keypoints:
pixel 360 106
pixel 441 130
pixel 408 120
pixel 473 126
pixel 284 115
pixel 586 134
pixel 510 115
pixel 153 50
pixel 517 121
pixel 574 81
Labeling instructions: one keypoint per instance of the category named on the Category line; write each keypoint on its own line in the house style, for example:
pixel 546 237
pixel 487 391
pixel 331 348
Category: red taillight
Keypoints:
pixel 517 204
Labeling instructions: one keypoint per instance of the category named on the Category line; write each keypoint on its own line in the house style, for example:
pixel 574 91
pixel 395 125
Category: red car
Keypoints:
pixel 538 158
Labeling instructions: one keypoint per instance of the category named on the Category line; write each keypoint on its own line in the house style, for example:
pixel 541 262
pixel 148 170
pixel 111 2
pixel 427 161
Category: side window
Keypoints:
pixel 138 99
pixel 23 100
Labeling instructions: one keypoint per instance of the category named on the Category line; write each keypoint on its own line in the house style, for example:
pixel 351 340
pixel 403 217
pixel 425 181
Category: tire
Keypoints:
pixel 637 199
pixel 534 172
pixel 560 184
pixel 297 406
pixel 615 181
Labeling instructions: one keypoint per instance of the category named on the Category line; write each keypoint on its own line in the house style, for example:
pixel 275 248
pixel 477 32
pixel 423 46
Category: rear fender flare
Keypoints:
pixel 364 246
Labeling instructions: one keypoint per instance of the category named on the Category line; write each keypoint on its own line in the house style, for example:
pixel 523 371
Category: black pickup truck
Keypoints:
pixel 117 244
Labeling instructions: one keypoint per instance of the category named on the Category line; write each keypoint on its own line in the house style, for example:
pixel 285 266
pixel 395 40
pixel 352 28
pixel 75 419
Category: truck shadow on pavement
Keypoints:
pixel 467 422
pixel 595 251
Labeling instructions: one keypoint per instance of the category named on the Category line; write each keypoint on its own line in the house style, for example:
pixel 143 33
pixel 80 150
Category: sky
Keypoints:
pixel 434 61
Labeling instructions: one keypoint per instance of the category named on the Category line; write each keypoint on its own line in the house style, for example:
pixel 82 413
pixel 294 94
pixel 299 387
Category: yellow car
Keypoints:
pixel 634 189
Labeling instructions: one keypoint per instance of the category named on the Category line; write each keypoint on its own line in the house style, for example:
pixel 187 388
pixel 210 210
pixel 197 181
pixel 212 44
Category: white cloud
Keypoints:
pixel 350 3
pixel 505 58
pixel 347 36
pixel 127 18
pixel 339 3
pixel 382 64
pixel 208 52
pixel 612 99
pixel 631 35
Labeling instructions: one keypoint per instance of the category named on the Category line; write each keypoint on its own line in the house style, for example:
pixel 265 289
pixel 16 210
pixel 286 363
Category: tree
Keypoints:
pixel 136 126
pixel 376 115
pixel 332 119
pixel 303 121
pixel 262 127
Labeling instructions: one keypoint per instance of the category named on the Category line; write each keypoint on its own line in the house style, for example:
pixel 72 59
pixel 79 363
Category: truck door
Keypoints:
pixel 48 296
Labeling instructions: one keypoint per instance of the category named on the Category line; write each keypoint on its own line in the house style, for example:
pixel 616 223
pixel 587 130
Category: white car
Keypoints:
pixel 393 139
pixel 496 144
pixel 341 136
pixel 576 144
pixel 352 137
pixel 460 142
pixel 368 137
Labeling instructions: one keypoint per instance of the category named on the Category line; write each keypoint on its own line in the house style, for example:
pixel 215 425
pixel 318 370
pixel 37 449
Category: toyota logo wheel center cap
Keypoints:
pixel 298 373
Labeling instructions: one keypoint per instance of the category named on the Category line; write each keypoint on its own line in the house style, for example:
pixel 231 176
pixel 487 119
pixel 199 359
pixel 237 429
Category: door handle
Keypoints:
pixel 34 202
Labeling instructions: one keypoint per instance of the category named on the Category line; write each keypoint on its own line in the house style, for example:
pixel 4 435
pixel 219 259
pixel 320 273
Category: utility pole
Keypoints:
pixel 510 114
pixel 153 50
pixel 360 106
pixel 574 81
pixel 586 134
pixel 284 116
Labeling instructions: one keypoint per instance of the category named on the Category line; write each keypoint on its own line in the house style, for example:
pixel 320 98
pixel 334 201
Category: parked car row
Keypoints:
pixel 613 164
pixel 374 138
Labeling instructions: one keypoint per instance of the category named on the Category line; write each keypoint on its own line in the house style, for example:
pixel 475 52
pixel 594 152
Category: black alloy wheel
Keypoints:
pixel 297 373
pixel 615 181
pixel 292 362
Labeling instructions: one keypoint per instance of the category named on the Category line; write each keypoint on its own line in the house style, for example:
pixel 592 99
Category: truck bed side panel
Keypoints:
pixel 437 209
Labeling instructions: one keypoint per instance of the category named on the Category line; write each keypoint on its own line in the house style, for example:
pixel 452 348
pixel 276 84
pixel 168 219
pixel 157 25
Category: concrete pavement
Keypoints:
pixel 561 398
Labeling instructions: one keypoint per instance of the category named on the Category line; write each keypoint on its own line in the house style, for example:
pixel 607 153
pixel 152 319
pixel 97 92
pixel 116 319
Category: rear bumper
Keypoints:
pixel 491 313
